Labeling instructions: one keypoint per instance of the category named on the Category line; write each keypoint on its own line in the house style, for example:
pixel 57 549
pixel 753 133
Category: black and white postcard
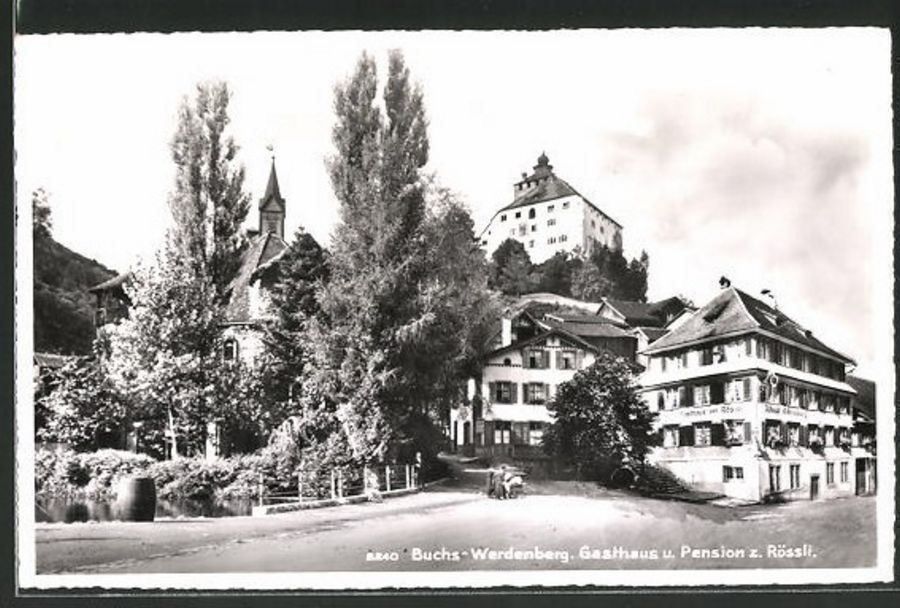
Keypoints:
pixel 442 309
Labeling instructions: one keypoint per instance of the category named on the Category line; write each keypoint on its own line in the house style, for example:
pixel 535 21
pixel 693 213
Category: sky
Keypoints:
pixel 763 155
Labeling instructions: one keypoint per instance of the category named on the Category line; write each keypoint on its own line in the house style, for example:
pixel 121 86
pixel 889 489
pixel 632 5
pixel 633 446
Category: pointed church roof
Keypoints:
pixel 263 252
pixel 273 192
pixel 734 312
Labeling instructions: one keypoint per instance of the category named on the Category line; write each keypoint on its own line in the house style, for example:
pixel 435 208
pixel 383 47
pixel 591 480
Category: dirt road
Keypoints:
pixel 459 529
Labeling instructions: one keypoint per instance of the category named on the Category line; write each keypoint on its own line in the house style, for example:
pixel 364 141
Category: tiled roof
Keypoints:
pixel 778 323
pixel 733 311
pixel 654 333
pixel 264 250
pixel 865 395
pixel 546 189
pixel 635 313
pixel 589 330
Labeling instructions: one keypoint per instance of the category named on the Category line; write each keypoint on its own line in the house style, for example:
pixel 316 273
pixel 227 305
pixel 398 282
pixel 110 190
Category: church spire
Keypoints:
pixel 272 205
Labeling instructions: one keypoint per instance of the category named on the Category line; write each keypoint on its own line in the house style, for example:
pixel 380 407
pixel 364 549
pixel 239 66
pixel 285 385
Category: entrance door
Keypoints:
pixel 860 476
pixel 813 487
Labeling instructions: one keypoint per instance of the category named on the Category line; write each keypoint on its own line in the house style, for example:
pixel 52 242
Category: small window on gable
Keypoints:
pixel 565 204
pixel 531 213
pixel 518 214
pixel 503 218
pixel 550 208
pixel 230 350
pixel 507 362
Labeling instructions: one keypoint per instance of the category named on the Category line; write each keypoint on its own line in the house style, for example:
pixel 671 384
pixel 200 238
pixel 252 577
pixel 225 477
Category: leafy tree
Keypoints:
pixel 41 220
pixel 600 421
pixel 302 271
pixel 555 274
pixel 606 273
pixel 208 202
pixel 83 405
pixel 511 269
pixel 404 275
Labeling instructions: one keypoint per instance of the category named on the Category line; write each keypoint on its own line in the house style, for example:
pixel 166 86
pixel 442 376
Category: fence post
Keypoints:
pixel 365 488
pixel 340 483
pixel 387 477
pixel 260 488
pixel 416 476
pixel 332 485
pixel 299 486
pixel 406 468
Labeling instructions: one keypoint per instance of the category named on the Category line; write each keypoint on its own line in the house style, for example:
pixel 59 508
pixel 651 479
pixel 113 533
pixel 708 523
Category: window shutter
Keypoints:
pixel 748 434
pixel 717 392
pixel 579 357
pixel 746 395
pixel 684 435
pixel 492 387
pixel 688 396
pixel 785 433
pixel 803 436
pixel 488 432
pixel 559 359
pixel 545 359
pixel 690 434
pixel 514 392
pixel 717 434
pixel 546 392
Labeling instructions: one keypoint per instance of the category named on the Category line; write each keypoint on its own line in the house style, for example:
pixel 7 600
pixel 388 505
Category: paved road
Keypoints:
pixel 457 528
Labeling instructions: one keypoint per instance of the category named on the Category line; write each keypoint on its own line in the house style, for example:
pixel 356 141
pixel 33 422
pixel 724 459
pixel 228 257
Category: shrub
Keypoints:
pixel 87 475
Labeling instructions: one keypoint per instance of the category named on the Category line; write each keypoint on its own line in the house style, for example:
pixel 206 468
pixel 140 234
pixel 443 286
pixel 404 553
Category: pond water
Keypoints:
pixel 72 510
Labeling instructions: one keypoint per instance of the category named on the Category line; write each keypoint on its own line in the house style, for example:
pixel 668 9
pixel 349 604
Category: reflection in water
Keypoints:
pixel 74 510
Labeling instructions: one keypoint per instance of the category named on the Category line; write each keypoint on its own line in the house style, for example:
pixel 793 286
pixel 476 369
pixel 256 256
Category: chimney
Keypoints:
pixel 506 332
pixel 771 296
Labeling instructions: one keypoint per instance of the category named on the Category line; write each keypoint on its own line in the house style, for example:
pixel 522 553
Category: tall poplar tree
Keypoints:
pixel 387 330
pixel 208 202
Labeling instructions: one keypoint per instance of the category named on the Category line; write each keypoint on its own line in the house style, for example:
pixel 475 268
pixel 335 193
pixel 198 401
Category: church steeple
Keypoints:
pixel 272 206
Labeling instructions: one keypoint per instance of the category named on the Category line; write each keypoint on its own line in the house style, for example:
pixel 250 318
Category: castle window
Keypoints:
pixel 503 218
pixel 550 208
pixel 551 222
pixel 564 237
pixel 565 204
pixel 534 227
pixel 522 229
pixel 551 240
pixel 531 243
pixel 593 224
pixel 531 213
pixel 518 214
pixel 230 350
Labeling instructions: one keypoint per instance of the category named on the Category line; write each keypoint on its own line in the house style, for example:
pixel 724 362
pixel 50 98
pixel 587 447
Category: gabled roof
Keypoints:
pixel 731 312
pixel 864 400
pixel 653 333
pixel 264 251
pixel 645 314
pixel 589 330
pixel 547 189
pixel 542 336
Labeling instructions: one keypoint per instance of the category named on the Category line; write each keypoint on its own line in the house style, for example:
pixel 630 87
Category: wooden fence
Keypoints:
pixel 340 482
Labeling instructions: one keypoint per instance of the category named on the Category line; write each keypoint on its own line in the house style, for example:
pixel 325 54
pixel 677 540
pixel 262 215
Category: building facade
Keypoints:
pixel 547 215
pixel 533 352
pixel 751 404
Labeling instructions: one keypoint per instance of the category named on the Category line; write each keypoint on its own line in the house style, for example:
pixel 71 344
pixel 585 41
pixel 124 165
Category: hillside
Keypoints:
pixel 63 308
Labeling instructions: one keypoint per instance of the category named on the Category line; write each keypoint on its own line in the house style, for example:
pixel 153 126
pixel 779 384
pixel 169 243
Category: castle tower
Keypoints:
pixel 272 207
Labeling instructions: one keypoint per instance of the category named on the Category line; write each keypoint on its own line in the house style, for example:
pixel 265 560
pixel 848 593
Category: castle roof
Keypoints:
pixel 544 185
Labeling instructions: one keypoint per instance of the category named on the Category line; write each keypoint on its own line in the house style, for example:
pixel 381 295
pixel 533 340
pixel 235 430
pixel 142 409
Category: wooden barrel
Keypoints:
pixel 136 499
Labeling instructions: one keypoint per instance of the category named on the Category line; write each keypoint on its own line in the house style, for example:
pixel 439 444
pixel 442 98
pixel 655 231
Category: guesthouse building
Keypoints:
pixel 751 404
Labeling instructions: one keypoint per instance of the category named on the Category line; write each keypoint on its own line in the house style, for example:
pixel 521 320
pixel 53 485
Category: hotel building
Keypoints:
pixel 752 405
